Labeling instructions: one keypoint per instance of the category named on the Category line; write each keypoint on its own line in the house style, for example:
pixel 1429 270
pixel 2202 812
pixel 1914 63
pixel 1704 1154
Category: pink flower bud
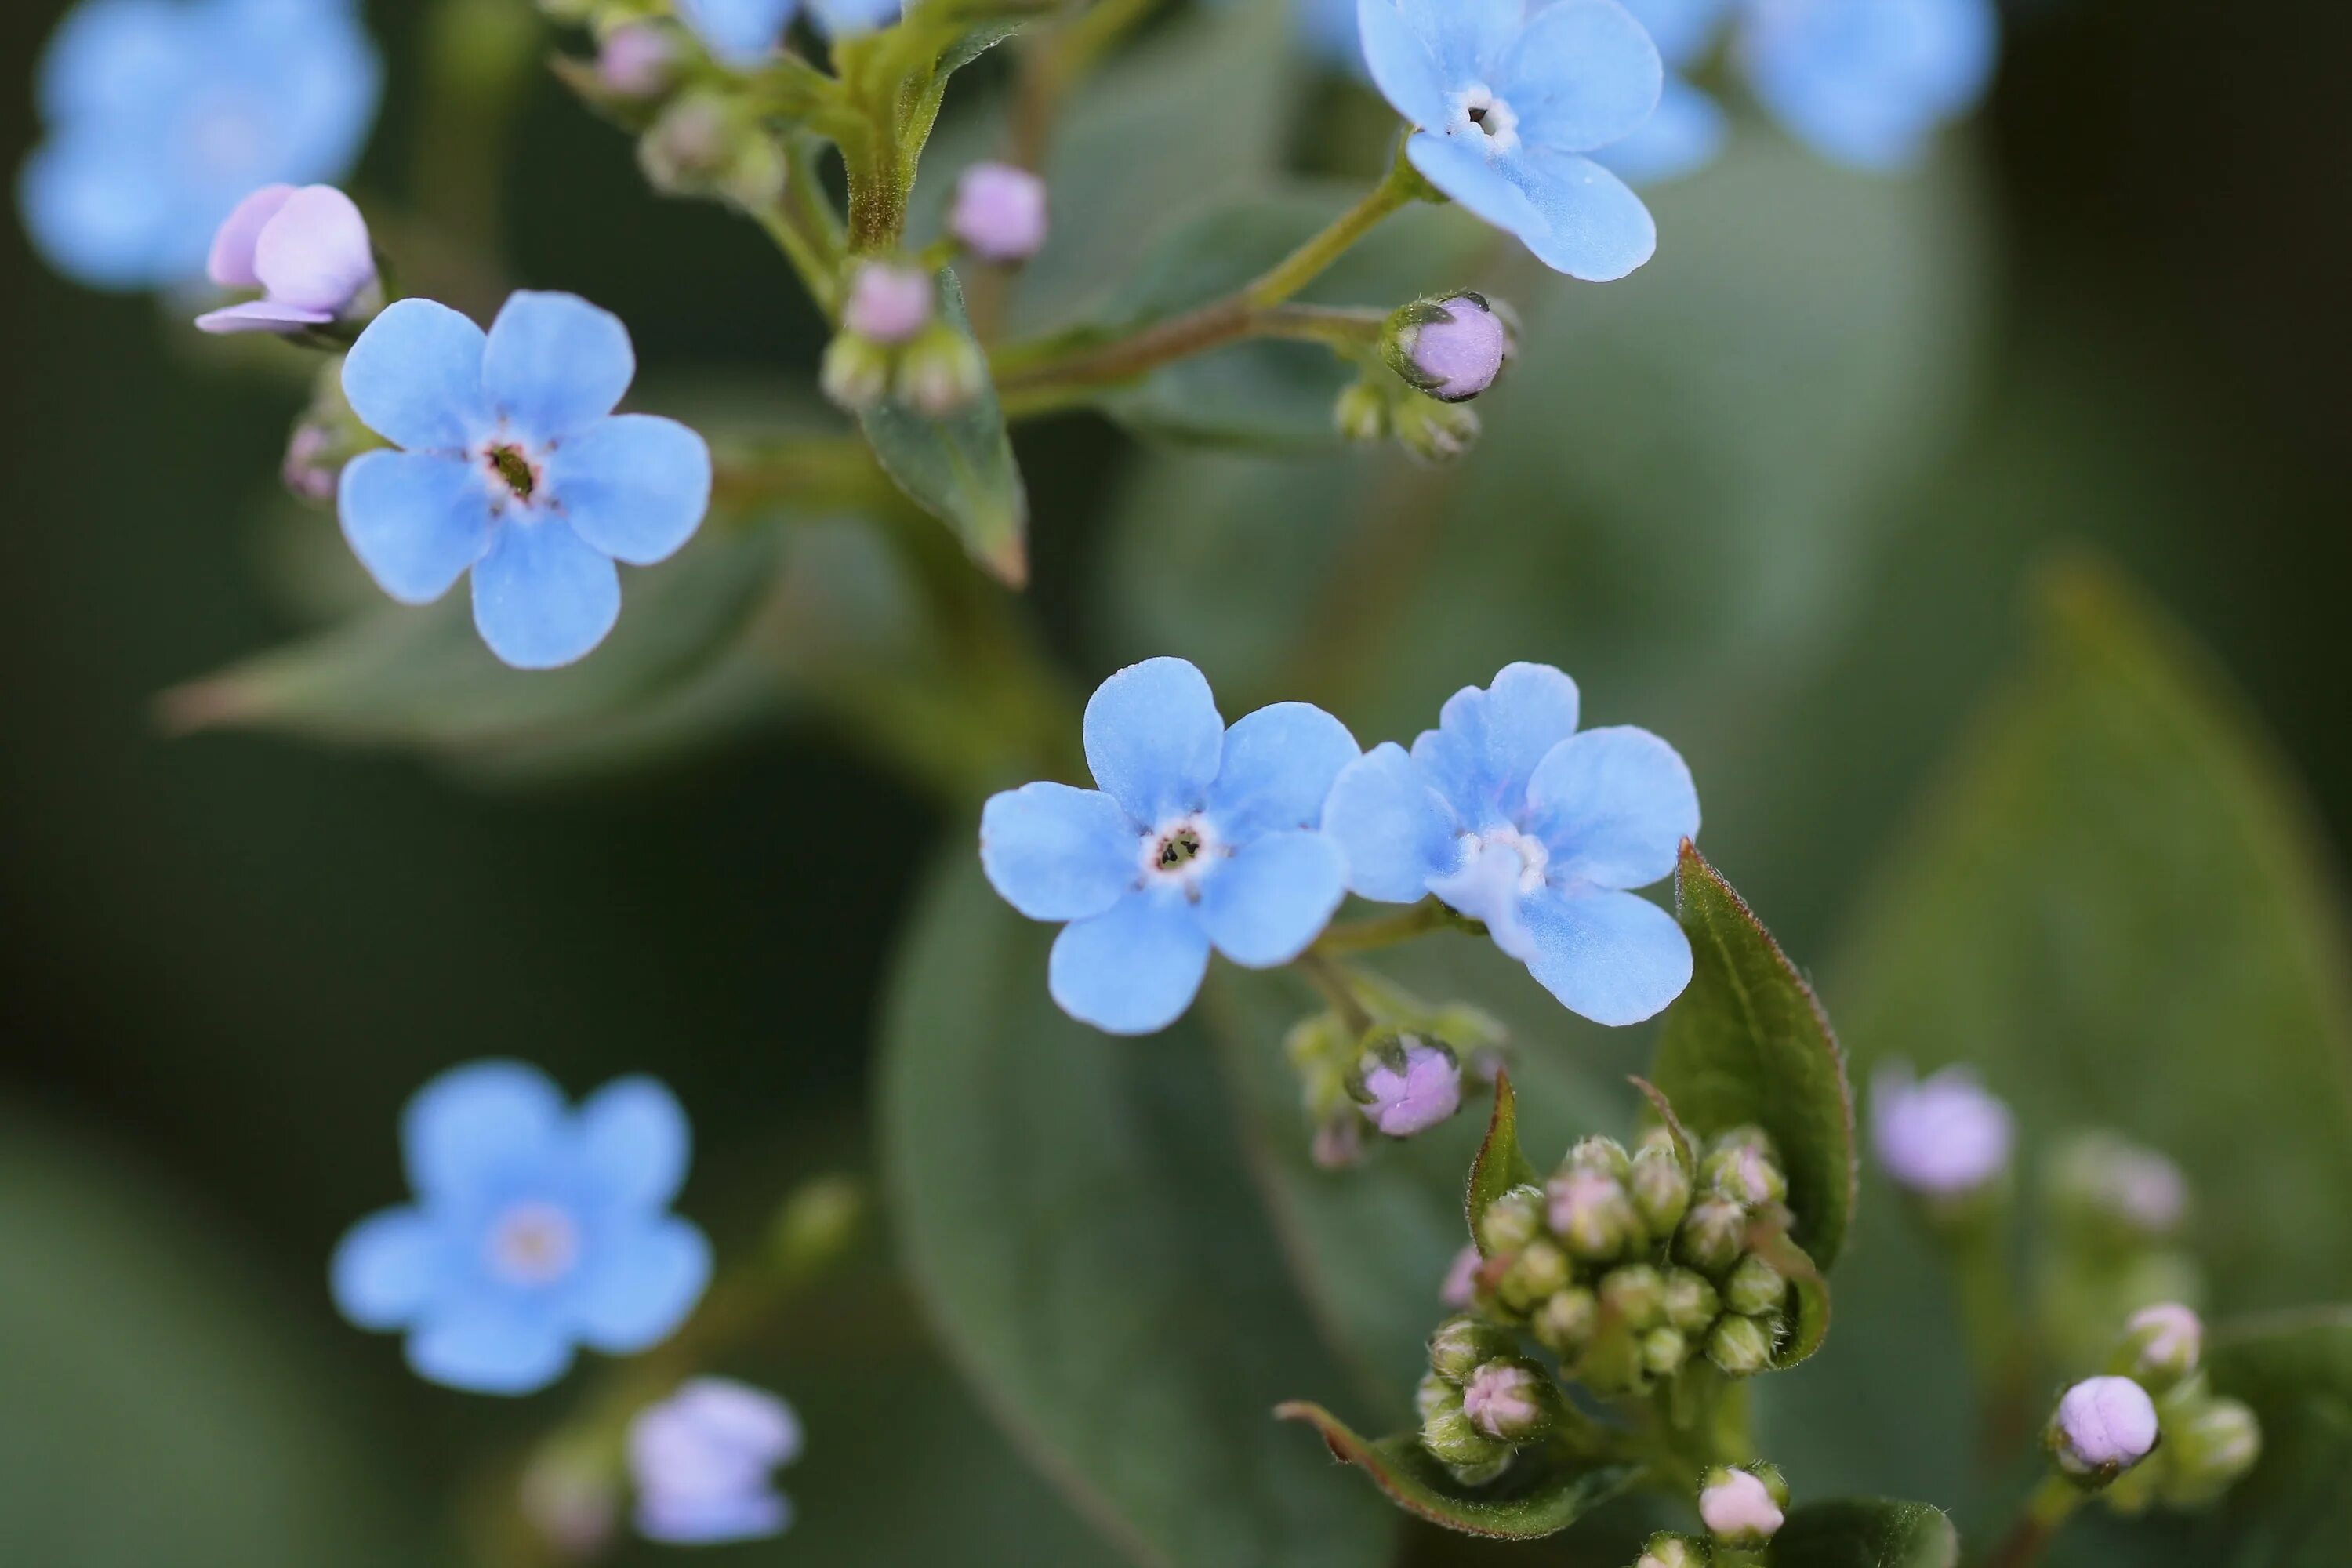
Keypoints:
pixel 889 304
pixel 1409 1085
pixel 307 251
pixel 1451 348
pixel 637 61
pixel 2103 1426
pixel 1944 1137
pixel 999 213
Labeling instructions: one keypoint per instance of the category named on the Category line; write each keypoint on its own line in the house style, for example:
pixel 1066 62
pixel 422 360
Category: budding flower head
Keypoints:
pixel 1436 1395
pixel 941 372
pixel 1714 1235
pixel 2209 1449
pixel 1512 1401
pixel 1690 1303
pixel 1663 1352
pixel 2108 1183
pixel 1566 1321
pixel 1462 1345
pixel 705 145
pixel 1635 1296
pixel 307 251
pixel 2102 1427
pixel 1540 1269
pixel 1512 1220
pixel 856 374
pixel 1451 348
pixel 888 303
pixel 1667 1549
pixel 1407 1084
pixel 1661 1188
pixel 999 213
pixel 1361 415
pixel 1739 1347
pixel 1743 1509
pixel 1755 1287
pixel 1746 1172
pixel 637 60
pixel 1431 431
pixel 1604 1155
pixel 1461 1279
pixel 1943 1137
pixel 2162 1344
pixel 1591 1214
pixel 1454 1438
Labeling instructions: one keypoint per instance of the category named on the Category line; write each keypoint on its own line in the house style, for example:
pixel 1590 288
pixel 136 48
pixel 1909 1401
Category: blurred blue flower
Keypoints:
pixel 700 1462
pixel 1200 836
pixel 1508 97
pixel 1327 29
pixel 1868 82
pixel 536 1228
pixel 515 468
pixel 164 114
pixel 744 32
pixel 1690 127
pixel 1512 816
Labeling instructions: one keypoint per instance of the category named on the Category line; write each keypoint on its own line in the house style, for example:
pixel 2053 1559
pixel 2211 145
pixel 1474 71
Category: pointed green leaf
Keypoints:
pixel 1865 1532
pixel 1686 1150
pixel 1077 1215
pixel 1748 1043
pixel 960 468
pixel 1545 1489
pixel 1501 1165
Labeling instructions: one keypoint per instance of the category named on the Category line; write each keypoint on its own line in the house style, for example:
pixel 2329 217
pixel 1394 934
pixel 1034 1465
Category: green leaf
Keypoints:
pixel 1078 1220
pixel 2295 1370
pixel 1501 1165
pixel 1545 1489
pixel 960 468
pixel 1748 1043
pixel 1685 1148
pixel 1865 1532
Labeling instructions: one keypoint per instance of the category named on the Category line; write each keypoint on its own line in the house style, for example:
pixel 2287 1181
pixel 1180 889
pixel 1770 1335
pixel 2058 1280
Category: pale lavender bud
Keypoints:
pixel 1408 1085
pixel 2109 1181
pixel 1944 1137
pixel 637 61
pixel 999 213
pixel 1670 1550
pixel 1461 1279
pixel 2162 1344
pixel 1591 1214
pixel 2102 1427
pixel 889 304
pixel 307 251
pixel 1742 1508
pixel 701 1461
pixel 1510 1400
pixel 1451 348
pixel 311 468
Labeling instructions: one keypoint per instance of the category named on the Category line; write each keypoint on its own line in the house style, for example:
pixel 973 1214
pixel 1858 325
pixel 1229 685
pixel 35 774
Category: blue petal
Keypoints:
pixel 1395 830
pixel 415 377
pixel 704 1521
pixel 473 1124
pixel 1615 958
pixel 1682 137
pixel 388 1269
pixel 1867 82
pixel 1133 968
pixel 1482 185
pixel 1154 739
pixel 641 1285
pixel 742 33
pixel 554 365
pixel 100 212
pixel 542 597
pixel 491 1347
pixel 1488 742
pixel 116 59
pixel 1614 806
pixel 1681 28
pixel 1594 226
pixel 634 1141
pixel 1279 763
pixel 847 18
pixel 1583 75
pixel 415 520
pixel 1327 31
pixel 635 486
pixel 1272 898
pixel 1056 853
pixel 1403 66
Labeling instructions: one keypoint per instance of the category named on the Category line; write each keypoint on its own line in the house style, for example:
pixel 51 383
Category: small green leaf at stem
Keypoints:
pixel 1684 1147
pixel 1865 1532
pixel 1748 1043
pixel 1501 1165
pixel 1547 1489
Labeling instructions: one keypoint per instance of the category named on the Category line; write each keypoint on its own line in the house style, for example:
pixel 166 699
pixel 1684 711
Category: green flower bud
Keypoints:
pixel 1564 1323
pixel 1435 1396
pixel 705 145
pixel 1513 1401
pixel 2161 1346
pixel 1663 1352
pixel 1512 1221
pixel 856 374
pixel 1362 414
pixel 1691 1302
pixel 1462 1345
pixel 1605 1155
pixel 1714 1235
pixel 1668 1550
pixel 2207 1450
pixel 941 372
pixel 1746 1175
pixel 1747 1135
pixel 1743 1509
pixel 1451 1438
pixel 1634 1294
pixel 1739 1347
pixel 1434 432
pixel 1755 1287
pixel 819 1222
pixel 1592 1215
pixel 1661 1188
pixel 1540 1269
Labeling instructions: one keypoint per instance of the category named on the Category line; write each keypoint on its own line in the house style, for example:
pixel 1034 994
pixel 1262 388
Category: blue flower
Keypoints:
pixel 1198 837
pixel 700 1462
pixel 1508 97
pixel 744 32
pixel 536 1228
pixel 1690 127
pixel 514 467
pixel 1327 29
pixel 1867 82
pixel 1512 816
pixel 164 114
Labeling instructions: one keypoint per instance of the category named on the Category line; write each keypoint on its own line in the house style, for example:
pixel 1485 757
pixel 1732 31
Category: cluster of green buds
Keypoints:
pixel 892 343
pixel 2115 1215
pixel 1629 1266
pixel 1438 353
pixel 2150 1430
pixel 1481 1402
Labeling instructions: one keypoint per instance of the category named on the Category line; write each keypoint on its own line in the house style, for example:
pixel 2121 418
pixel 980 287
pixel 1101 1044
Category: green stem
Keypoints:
pixel 1401 186
pixel 2051 1504
pixel 1388 931
pixel 1337 989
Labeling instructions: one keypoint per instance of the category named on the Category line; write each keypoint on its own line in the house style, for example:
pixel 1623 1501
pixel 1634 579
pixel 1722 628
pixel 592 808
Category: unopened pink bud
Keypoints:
pixel 889 304
pixel 1000 212
pixel 637 61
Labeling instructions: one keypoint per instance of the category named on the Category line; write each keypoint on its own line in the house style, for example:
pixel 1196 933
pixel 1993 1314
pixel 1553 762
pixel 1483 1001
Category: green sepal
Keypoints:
pixel 1547 1489
pixel 1865 1532
pixel 1501 1165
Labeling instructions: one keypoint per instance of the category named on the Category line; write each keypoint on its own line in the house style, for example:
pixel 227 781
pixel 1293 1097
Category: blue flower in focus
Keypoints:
pixel 1868 82
pixel 1508 97
pixel 515 468
pixel 536 1228
pixel 1511 816
pixel 744 32
pixel 164 114
pixel 1690 127
pixel 1201 835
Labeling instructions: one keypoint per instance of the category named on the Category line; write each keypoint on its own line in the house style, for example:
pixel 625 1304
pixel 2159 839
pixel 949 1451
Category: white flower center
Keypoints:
pixel 1480 116
pixel 533 1243
pixel 1497 868
pixel 1180 852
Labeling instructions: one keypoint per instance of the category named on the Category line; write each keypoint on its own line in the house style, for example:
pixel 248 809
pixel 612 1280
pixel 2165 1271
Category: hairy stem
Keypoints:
pixel 1337 989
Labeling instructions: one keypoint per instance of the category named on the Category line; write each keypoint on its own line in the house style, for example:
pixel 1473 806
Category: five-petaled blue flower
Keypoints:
pixel 164 114
pixel 1690 127
pixel 1512 816
pixel 1508 96
pixel 1200 836
pixel 744 32
pixel 536 1228
pixel 516 467
pixel 1868 81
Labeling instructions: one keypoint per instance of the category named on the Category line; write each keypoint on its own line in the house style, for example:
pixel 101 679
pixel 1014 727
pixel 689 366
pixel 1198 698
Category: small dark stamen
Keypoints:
pixel 1178 847
pixel 513 467
pixel 1478 118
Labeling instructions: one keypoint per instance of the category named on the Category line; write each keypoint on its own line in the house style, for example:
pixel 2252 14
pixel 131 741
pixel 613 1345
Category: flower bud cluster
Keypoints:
pixel 1444 351
pixel 1402 1077
pixel 711 144
pixel 2150 1430
pixel 1628 1266
pixel 1481 1402
pixel 892 343
pixel 2114 1213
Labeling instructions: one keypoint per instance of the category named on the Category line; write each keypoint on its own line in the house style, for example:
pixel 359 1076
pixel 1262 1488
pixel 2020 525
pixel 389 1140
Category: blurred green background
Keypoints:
pixel 1777 502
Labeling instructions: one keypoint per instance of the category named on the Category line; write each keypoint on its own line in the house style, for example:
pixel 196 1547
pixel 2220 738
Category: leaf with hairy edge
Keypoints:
pixel 1865 1532
pixel 1748 1043
pixel 1501 1164
pixel 1545 1489
pixel 1685 1149
pixel 1804 1278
